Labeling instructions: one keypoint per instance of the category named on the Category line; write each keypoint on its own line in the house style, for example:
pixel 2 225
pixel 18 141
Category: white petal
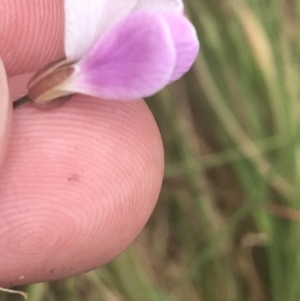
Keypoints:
pixel 86 21
pixel 5 112
pixel 174 6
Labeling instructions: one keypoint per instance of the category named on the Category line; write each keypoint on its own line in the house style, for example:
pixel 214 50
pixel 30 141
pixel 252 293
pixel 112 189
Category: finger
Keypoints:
pixel 18 85
pixel 5 113
pixel 31 34
pixel 78 185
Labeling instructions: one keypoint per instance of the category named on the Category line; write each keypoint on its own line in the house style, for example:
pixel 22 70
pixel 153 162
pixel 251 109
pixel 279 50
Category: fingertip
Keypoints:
pixel 5 112
pixel 18 85
pixel 79 184
pixel 31 34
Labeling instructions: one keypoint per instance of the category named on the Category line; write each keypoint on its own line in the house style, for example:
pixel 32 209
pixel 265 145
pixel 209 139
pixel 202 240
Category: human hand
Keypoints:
pixel 79 182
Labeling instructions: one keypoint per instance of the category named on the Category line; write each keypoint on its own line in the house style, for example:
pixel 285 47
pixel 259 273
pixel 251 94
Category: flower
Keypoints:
pixel 119 50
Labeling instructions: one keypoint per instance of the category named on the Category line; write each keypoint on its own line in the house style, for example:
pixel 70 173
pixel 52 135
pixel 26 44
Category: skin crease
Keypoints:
pixel 79 182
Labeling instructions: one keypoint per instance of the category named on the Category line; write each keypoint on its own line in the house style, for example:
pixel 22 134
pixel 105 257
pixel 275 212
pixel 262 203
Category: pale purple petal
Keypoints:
pixel 5 112
pixel 134 59
pixel 87 20
pixel 186 43
pixel 159 6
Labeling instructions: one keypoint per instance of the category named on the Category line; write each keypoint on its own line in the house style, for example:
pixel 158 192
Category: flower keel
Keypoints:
pixel 46 86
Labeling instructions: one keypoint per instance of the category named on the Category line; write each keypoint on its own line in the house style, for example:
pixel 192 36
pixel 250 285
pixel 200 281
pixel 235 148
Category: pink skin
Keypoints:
pixel 79 182
pixel 5 113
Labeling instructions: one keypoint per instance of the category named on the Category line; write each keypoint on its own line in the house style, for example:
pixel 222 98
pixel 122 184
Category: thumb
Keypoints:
pixel 31 34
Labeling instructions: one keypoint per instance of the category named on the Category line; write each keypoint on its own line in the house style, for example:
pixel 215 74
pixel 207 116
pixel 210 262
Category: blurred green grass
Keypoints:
pixel 227 223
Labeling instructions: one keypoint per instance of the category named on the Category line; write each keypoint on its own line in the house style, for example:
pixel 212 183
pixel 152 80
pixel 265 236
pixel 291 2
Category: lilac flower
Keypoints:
pixel 119 50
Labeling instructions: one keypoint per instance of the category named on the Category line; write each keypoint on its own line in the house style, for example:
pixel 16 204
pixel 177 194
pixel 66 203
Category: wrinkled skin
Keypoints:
pixel 79 182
